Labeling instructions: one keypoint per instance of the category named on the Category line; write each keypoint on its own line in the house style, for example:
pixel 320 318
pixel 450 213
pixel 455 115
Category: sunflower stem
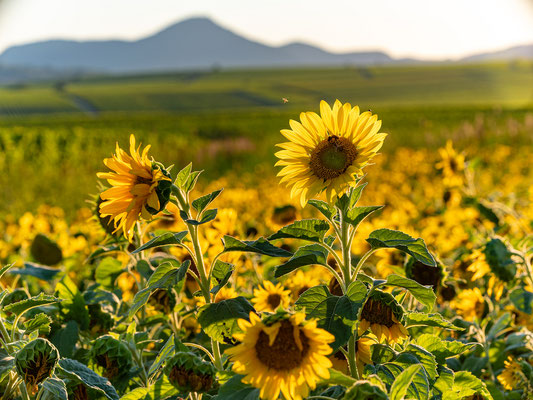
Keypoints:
pixel 345 247
pixel 351 356
pixel 361 262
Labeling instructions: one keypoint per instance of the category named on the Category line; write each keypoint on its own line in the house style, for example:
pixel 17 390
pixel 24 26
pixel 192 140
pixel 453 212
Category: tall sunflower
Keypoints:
pixel 284 353
pixel 329 151
pixel 140 187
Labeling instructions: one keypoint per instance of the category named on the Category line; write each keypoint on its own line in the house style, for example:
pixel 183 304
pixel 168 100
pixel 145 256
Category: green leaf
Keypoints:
pixel 102 250
pixel 107 271
pixel 402 382
pixel 424 294
pixel 165 353
pixel 443 349
pixel 500 259
pixel 182 176
pixel 162 389
pixel 336 314
pixel 261 246
pixel 207 216
pixel 7 364
pixel 387 238
pixel 136 394
pixel 39 271
pixel 72 369
pixel 338 378
pixel 219 320
pixel 307 255
pixel 73 305
pixel 41 322
pixel 235 389
pixel 355 215
pixel 202 202
pixel 499 326
pixel 168 274
pixel 421 355
pixel 65 339
pixel 5 268
pixel 522 300
pixel 190 183
pixel 388 372
pixel 221 273
pixel 465 384
pixel 167 238
pixel 349 200
pixel 327 210
pixel 312 230
pixel 139 300
pixel 53 389
pixel 445 380
pixel 423 319
pixel 21 307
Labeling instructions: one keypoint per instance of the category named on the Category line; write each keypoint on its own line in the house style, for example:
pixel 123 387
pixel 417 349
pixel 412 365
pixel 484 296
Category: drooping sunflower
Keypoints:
pixel 270 297
pixel 382 315
pixel 284 353
pixel 328 151
pixel 140 187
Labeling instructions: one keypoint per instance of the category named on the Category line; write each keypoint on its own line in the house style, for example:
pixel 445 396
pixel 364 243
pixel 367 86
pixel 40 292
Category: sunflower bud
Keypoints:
pixel 45 251
pixel 36 361
pixel 365 390
pixel 188 372
pixel 112 355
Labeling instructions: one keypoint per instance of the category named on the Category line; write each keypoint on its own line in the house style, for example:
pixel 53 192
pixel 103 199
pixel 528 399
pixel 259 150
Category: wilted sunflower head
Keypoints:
pixel 328 151
pixel 282 353
pixel 188 372
pixel 36 361
pixel 112 356
pixel 140 187
pixel 383 315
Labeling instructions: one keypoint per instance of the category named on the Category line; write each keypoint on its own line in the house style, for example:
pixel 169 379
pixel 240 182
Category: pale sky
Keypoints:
pixel 430 29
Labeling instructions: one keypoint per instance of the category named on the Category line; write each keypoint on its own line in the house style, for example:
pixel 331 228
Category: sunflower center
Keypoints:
pixel 284 354
pixel 377 312
pixel 332 157
pixel 273 300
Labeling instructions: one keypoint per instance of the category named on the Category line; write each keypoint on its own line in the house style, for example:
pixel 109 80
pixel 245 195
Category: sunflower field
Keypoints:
pixel 356 273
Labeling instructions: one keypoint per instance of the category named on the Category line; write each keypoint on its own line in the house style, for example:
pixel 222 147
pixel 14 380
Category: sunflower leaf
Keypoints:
pixel 336 314
pixel 74 370
pixel 36 270
pixel 202 202
pixel 422 319
pixel 21 307
pixel 355 215
pixel 443 349
pixel 261 246
pixel 41 322
pixel 221 273
pixel 167 238
pixel 326 209
pixel 349 200
pixel 306 255
pixel 465 384
pixel 522 300
pixel 387 238
pixel 402 382
pixel 424 294
pixel 53 388
pixel 208 216
pixel 235 389
pixel 219 320
pixel 312 230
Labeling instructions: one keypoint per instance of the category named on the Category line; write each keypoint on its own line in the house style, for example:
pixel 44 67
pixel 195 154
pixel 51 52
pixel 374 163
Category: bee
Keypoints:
pixel 370 110
pixel 285 101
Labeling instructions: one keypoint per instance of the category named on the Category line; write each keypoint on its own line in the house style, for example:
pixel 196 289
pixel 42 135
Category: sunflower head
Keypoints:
pixel 112 356
pixel 328 151
pixel 36 361
pixel 424 274
pixel 282 353
pixel 140 187
pixel 383 316
pixel 270 297
pixel 188 372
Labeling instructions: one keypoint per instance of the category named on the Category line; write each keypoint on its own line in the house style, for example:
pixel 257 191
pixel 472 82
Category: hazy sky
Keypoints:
pixel 420 28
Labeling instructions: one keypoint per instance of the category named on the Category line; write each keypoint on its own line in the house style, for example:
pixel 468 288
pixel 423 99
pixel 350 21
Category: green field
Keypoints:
pixel 230 120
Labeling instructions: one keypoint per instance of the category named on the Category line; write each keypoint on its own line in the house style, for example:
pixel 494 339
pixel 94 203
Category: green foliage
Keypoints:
pixel 312 230
pixel 305 255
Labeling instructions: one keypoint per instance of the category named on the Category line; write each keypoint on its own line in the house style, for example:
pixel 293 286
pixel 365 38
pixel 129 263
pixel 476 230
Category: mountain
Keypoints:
pixel 517 52
pixel 190 44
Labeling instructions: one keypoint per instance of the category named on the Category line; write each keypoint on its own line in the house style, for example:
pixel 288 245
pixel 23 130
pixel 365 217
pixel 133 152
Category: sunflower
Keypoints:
pixel 382 315
pixel 226 293
pixel 329 151
pixel 140 188
pixel 300 281
pixel 271 297
pixel 282 353
pixel 469 303
pixel 511 375
pixel 452 165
